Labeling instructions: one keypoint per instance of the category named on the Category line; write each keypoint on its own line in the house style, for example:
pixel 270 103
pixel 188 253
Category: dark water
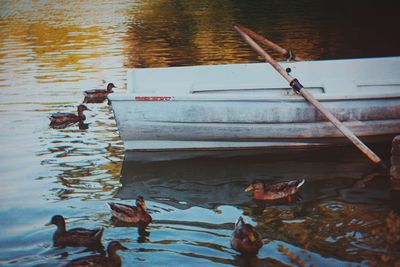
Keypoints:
pixel 51 51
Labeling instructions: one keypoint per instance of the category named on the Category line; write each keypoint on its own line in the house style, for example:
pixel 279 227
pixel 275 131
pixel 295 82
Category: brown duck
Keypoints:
pixel 245 238
pixel 77 237
pixel 274 191
pixel 131 214
pixel 62 119
pixel 96 95
pixel 111 260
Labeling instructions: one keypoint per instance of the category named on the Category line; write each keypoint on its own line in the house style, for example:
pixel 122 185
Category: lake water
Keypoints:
pixel 51 51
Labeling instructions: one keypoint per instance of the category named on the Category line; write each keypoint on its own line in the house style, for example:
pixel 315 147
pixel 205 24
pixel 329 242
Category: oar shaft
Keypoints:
pixel 283 51
pixel 295 84
pixel 341 127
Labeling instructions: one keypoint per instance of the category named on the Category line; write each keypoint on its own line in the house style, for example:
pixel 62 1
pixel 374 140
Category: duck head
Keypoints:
pixel 81 109
pixel 140 203
pixel 57 220
pixel 110 86
pixel 256 185
pixel 114 246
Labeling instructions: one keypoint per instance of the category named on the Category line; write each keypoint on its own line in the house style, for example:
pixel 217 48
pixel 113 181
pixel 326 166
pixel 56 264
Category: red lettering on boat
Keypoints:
pixel 153 98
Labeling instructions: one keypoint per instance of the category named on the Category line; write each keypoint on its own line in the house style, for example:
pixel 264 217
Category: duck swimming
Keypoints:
pixel 98 95
pixel 77 237
pixel 131 214
pixel 274 191
pixel 245 238
pixel 62 119
pixel 111 260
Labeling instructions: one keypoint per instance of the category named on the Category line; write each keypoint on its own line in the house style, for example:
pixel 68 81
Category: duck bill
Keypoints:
pixel 123 248
pixel 249 188
pixel 90 111
pixel 48 224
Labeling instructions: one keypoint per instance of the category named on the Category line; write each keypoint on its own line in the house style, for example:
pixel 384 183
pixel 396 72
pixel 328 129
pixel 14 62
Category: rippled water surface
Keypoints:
pixel 51 51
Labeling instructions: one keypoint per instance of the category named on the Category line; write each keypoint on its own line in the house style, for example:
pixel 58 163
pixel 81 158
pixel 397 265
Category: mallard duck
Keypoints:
pixel 77 237
pixel 274 191
pixel 61 119
pixel 131 214
pixel 111 260
pixel 245 238
pixel 96 95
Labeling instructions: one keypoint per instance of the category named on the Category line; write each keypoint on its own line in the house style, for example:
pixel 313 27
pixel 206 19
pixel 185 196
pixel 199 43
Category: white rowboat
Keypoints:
pixel 244 107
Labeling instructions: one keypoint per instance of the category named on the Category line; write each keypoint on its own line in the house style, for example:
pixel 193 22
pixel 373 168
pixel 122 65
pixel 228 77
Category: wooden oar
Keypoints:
pixel 286 53
pixel 297 87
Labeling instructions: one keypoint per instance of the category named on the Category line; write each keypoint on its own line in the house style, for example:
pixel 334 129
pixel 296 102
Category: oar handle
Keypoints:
pixel 287 53
pixel 298 87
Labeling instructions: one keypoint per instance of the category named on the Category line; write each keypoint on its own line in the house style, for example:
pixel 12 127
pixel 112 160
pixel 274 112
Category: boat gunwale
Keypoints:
pixel 378 58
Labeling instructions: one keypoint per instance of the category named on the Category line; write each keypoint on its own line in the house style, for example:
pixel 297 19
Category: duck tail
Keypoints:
pixel 300 183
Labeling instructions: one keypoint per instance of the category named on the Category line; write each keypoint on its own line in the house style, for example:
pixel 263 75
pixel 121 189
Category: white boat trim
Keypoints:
pixel 234 97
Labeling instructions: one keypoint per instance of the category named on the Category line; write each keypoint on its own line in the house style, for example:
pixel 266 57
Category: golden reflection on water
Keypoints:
pixel 54 49
pixel 57 42
pixel 184 33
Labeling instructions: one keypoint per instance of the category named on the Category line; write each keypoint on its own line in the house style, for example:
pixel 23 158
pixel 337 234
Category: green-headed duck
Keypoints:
pixel 77 237
pixel 61 119
pixel 245 238
pixel 111 260
pixel 274 191
pixel 131 214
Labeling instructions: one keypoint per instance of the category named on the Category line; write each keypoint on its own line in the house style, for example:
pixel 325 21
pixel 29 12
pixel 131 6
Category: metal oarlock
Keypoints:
pixel 296 85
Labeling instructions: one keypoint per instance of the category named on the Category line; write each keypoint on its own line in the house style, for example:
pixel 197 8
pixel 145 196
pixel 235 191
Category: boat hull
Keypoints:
pixel 270 118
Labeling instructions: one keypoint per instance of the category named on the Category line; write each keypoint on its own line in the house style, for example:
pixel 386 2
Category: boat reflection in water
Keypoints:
pixel 341 206
pixel 81 125
pixel 210 182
